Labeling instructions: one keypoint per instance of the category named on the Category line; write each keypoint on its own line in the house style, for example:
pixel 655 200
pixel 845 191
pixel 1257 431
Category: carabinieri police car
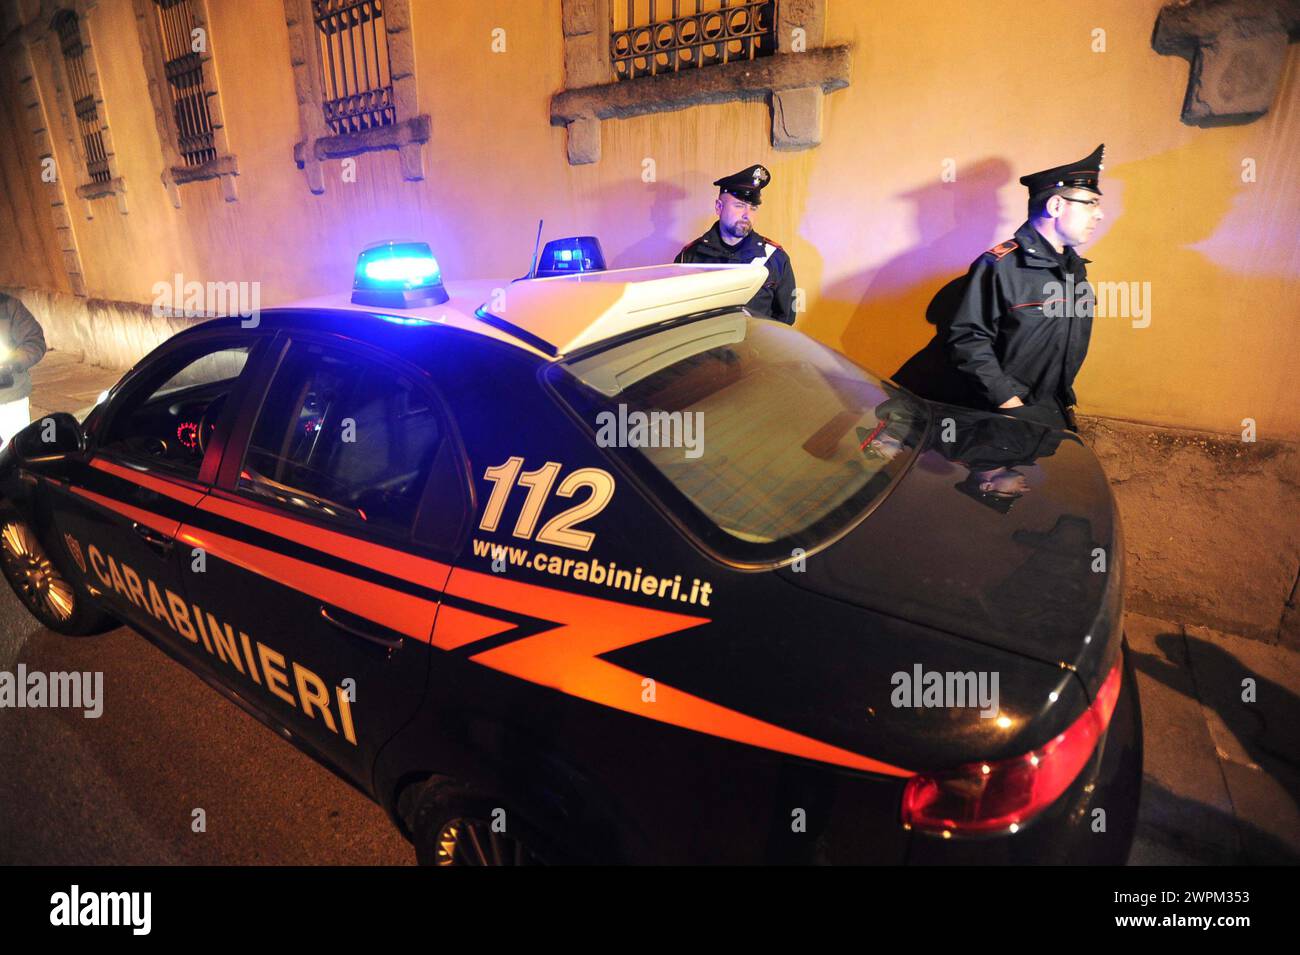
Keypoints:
pixel 601 568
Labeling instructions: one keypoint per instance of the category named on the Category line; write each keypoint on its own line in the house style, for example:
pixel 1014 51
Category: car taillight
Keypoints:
pixel 984 797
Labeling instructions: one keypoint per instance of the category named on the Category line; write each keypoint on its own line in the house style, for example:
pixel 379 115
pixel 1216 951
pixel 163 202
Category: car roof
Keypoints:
pixel 552 317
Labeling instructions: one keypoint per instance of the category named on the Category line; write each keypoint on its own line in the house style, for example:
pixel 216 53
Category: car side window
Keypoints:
pixel 345 438
pixel 169 417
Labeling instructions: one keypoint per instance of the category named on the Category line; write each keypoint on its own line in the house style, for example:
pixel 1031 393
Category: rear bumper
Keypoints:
pixel 1091 824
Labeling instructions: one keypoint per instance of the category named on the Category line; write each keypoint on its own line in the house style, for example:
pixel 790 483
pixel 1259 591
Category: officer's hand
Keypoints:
pixel 1012 402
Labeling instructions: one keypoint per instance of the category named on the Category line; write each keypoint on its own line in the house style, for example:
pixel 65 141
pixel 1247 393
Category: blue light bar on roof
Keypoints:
pixel 398 275
pixel 571 256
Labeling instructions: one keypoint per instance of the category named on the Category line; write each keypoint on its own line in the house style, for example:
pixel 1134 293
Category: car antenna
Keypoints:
pixel 532 272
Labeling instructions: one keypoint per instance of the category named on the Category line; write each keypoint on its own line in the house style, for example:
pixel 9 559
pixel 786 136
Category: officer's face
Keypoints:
pixel 1078 215
pixel 734 215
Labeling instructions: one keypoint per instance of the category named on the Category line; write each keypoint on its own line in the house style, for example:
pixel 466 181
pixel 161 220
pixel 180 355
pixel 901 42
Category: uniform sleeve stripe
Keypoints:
pixel 1050 301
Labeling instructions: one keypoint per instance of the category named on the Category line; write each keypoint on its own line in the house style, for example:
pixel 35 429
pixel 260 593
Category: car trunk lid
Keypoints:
pixel 1003 532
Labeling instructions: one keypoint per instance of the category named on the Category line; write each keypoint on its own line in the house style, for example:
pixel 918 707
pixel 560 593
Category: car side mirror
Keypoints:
pixel 50 438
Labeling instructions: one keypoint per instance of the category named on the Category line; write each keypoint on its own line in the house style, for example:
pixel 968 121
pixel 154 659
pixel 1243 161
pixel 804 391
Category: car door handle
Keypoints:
pixel 159 542
pixel 379 639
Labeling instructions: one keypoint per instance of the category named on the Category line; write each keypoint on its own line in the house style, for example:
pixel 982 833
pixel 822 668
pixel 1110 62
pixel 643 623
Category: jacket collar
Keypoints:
pixel 1034 249
pixel 1037 251
pixel 714 238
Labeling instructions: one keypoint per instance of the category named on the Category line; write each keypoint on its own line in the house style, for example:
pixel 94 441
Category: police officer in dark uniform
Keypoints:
pixel 732 239
pixel 1021 331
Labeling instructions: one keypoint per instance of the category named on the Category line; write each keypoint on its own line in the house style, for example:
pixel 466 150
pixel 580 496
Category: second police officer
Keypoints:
pixel 1021 332
pixel 732 240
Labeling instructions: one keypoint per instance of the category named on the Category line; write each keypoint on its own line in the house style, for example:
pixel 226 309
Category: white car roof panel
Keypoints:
pixel 559 315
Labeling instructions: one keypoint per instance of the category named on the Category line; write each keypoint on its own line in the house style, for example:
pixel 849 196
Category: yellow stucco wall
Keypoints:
pixel 872 229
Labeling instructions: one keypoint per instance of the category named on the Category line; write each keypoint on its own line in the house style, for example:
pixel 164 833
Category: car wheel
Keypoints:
pixel 454 825
pixel 53 596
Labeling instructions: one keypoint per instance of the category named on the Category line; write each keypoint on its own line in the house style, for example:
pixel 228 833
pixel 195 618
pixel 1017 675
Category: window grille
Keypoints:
pixel 68 28
pixel 357 82
pixel 651 37
pixel 183 68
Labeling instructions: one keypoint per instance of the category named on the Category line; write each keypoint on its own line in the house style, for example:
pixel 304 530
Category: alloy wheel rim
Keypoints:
pixel 36 581
pixel 473 842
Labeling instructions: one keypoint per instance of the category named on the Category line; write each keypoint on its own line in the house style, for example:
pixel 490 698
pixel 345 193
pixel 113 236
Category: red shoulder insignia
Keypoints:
pixel 999 251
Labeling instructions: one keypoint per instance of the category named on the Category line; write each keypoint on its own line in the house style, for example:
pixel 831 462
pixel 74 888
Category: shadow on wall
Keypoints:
pixel 912 295
pixel 663 242
pixel 1209 328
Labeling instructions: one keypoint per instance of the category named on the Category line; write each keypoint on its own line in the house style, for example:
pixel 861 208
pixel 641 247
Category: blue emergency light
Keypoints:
pixel 398 275
pixel 571 256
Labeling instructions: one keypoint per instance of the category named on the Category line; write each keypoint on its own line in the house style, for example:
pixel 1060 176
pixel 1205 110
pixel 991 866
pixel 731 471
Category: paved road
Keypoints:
pixel 122 788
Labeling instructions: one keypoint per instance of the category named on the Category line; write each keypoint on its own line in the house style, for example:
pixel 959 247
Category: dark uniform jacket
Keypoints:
pixel 776 297
pixel 1023 324
pixel 22 344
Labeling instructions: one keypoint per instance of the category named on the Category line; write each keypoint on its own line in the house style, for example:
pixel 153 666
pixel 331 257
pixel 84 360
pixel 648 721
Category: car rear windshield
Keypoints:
pixel 757 438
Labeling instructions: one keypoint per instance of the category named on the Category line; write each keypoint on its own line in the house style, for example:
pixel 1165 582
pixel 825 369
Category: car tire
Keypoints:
pixel 454 824
pixel 42 582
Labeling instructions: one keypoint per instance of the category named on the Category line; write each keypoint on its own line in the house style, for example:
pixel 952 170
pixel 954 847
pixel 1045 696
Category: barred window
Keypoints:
pixel 183 68
pixel 353 46
pixel 68 28
pixel 650 37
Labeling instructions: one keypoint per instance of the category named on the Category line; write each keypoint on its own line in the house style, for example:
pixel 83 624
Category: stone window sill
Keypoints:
pixel 794 81
pixel 212 169
pixel 224 169
pixel 407 137
pixel 99 190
